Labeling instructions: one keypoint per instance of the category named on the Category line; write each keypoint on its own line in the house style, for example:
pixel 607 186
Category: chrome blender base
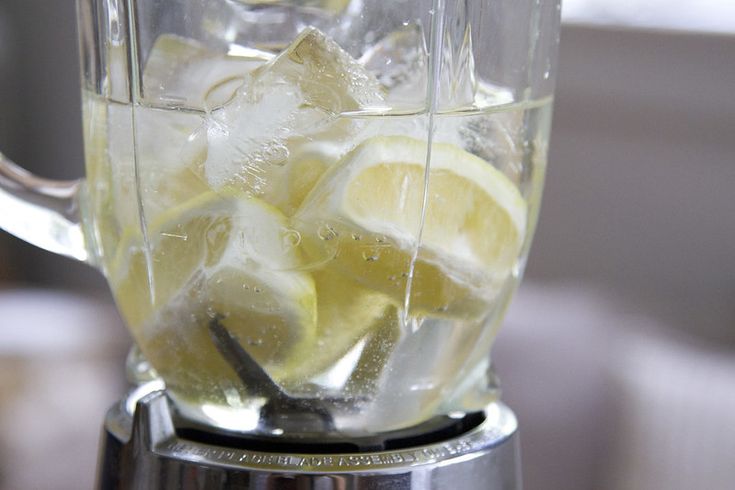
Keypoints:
pixel 144 451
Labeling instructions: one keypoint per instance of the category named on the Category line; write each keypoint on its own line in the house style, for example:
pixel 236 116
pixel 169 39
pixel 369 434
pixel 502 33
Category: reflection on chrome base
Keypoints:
pixel 148 450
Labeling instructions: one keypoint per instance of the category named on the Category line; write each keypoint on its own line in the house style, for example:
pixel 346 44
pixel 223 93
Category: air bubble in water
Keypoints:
pixel 291 239
pixel 327 233
pixel 371 255
pixel 276 154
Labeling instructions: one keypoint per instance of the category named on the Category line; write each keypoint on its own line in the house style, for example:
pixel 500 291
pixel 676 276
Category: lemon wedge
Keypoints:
pixel 219 256
pixel 364 215
pixel 347 314
pixel 308 161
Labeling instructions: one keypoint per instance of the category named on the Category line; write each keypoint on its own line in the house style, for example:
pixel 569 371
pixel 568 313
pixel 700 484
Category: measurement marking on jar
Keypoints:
pixel 174 235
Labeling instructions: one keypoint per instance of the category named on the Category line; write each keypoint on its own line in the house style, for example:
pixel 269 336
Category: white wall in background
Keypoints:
pixel 639 189
pixel 690 15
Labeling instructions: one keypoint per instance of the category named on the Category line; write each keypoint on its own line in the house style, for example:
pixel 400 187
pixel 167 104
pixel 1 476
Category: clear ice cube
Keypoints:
pixel 401 62
pixel 248 135
pixel 183 73
pixel 496 138
pixel 329 77
pixel 332 6
pixel 296 97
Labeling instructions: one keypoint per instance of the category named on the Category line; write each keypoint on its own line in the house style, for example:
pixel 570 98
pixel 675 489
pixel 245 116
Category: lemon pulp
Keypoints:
pixel 218 257
pixel 365 213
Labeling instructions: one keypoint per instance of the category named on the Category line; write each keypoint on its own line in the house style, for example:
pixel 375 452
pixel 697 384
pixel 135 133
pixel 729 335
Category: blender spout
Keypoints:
pixel 152 412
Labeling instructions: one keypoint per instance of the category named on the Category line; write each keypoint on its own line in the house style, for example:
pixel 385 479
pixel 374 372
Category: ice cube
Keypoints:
pixel 401 63
pixel 457 77
pixel 295 98
pixel 329 78
pixel 332 6
pixel 496 137
pixel 184 73
pixel 248 135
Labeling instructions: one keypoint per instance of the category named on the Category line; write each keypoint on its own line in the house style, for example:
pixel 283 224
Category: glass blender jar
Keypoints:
pixel 312 215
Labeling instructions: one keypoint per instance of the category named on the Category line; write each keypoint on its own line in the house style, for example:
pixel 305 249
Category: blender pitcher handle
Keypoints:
pixel 42 212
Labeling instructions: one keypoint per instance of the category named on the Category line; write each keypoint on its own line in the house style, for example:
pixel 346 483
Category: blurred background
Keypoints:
pixel 618 354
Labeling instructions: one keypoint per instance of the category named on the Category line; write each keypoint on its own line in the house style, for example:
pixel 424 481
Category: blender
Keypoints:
pixel 312 215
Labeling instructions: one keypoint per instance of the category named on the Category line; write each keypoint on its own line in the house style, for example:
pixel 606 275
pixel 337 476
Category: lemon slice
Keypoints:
pixel 306 168
pixel 308 161
pixel 219 256
pixel 364 215
pixel 347 315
